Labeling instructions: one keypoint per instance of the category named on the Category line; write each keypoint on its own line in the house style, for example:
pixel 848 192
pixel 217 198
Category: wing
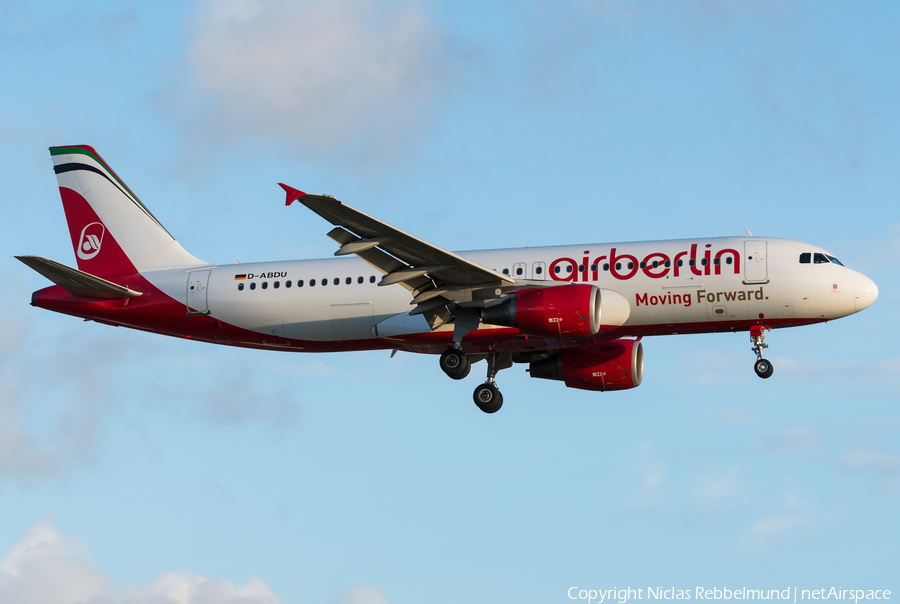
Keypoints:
pixel 434 276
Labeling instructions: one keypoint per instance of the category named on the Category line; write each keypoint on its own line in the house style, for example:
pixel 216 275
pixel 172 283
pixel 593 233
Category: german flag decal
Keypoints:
pixel 240 277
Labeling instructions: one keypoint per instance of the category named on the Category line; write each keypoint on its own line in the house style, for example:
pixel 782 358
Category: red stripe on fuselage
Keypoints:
pixel 156 312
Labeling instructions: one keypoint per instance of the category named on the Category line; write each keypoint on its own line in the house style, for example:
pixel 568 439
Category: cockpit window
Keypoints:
pixel 805 258
pixel 820 259
pixel 834 260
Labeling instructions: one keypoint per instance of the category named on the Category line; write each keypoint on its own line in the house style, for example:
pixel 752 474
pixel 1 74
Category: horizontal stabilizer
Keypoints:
pixel 76 282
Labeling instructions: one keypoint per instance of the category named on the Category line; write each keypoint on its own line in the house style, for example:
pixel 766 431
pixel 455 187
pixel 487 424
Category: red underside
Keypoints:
pixel 156 312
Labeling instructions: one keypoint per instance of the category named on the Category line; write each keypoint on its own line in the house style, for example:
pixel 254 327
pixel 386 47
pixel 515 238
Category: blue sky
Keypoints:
pixel 136 468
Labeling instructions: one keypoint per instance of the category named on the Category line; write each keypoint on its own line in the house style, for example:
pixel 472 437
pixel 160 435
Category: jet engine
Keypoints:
pixel 614 365
pixel 550 312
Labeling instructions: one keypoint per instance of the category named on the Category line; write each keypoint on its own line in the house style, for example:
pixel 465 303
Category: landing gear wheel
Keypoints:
pixel 488 398
pixel 763 368
pixel 455 364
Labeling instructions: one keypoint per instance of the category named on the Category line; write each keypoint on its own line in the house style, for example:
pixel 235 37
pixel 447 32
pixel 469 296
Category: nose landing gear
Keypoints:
pixel 762 367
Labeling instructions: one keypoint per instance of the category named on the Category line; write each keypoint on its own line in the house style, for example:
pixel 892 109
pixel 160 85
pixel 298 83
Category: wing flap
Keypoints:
pixel 76 282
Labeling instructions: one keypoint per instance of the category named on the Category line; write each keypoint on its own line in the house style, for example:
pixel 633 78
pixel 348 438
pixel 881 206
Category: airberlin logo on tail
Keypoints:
pixel 90 241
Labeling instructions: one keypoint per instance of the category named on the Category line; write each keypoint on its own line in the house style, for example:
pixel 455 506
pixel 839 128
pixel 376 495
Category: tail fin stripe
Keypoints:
pixel 89 152
pixel 71 167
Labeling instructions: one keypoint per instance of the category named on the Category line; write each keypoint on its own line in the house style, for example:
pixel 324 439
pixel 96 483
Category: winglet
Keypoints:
pixel 292 194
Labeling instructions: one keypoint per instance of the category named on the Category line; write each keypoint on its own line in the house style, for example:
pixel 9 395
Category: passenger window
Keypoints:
pixel 539 270
pixel 240 287
pixel 606 266
pixel 643 265
pixel 668 263
pixel 265 285
pixel 715 260
pixel 287 283
pixel 728 260
pixel 820 259
pixel 680 263
pixel 372 279
pixel 691 262
pixel 277 284
pixel 348 280
pixel 299 282
pixel 594 267
pixel 569 269
pixel 556 269
pixel 312 282
pixel 703 261
pixel 324 282
pixel 253 286
pixel 630 265
pixel 360 280
pixel 618 266
pixel 805 258
pixel 506 271
pixel 519 271
pixel 656 264
pixel 580 268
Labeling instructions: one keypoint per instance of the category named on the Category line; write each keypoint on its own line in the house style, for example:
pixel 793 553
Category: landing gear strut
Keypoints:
pixel 487 396
pixel 762 367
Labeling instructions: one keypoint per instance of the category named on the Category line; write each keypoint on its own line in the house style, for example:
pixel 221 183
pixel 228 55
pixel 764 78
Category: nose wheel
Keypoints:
pixel 762 367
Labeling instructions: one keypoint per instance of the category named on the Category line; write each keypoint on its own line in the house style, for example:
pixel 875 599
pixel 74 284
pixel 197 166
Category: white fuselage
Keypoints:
pixel 334 300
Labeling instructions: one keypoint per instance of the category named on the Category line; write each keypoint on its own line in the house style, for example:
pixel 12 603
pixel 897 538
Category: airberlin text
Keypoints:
pixel 655 265
pixel 791 594
pixel 686 299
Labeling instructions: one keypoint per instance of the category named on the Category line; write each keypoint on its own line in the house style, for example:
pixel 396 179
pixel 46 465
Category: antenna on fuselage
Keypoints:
pixel 749 234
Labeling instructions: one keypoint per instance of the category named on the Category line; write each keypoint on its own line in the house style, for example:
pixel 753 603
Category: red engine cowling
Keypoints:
pixel 550 312
pixel 615 365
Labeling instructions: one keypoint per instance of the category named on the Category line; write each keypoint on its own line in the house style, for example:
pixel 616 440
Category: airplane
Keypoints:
pixel 573 313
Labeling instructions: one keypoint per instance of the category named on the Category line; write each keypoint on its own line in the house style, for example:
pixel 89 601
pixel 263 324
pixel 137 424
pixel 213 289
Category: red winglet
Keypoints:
pixel 292 194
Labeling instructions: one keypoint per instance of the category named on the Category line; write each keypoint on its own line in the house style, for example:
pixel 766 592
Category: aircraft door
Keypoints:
pixel 755 261
pixel 197 300
pixel 539 270
pixel 520 270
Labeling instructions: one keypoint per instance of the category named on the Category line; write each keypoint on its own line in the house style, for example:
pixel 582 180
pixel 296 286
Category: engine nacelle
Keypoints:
pixel 550 312
pixel 615 365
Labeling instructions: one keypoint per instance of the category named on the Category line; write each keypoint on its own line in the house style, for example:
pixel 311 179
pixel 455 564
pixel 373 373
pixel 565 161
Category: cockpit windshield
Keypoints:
pixel 818 258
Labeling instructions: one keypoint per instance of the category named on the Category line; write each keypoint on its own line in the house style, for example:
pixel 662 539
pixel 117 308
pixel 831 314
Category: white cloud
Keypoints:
pixel 322 77
pixel 717 489
pixel 53 397
pixel 887 465
pixel 366 595
pixel 652 473
pixel 791 439
pixel 736 417
pixel 794 517
pixel 46 567
pixel 870 461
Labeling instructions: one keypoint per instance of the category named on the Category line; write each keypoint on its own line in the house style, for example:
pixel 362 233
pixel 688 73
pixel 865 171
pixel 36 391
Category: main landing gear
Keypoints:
pixel 487 397
pixel 455 363
pixel 762 367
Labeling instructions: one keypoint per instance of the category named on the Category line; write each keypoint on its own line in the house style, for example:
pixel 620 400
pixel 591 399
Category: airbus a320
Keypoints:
pixel 574 313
